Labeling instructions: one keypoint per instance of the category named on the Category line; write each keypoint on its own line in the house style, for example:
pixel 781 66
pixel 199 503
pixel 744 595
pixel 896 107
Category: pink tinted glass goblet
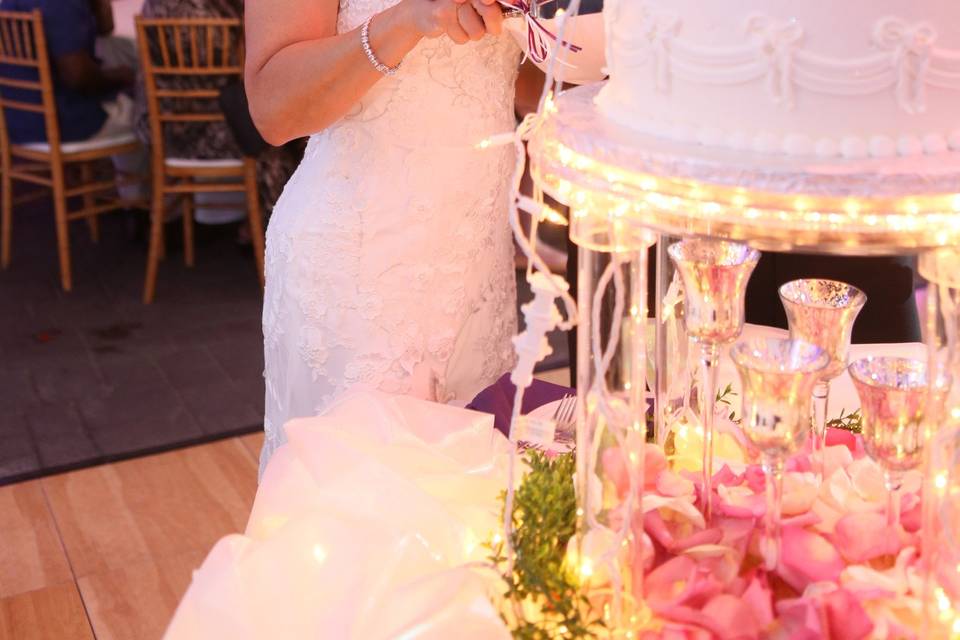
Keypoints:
pixel 822 312
pixel 715 275
pixel 777 378
pixel 895 396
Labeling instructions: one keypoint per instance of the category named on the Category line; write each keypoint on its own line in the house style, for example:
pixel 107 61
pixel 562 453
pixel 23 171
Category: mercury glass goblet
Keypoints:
pixel 715 275
pixel 895 394
pixel 777 377
pixel 822 312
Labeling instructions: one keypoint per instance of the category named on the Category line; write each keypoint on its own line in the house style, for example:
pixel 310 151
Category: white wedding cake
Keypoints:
pixel 822 78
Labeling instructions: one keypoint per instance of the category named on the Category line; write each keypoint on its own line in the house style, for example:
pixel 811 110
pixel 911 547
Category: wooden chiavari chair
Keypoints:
pixel 209 51
pixel 46 164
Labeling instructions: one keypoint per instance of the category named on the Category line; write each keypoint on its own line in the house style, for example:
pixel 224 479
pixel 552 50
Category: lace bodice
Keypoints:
pixel 389 259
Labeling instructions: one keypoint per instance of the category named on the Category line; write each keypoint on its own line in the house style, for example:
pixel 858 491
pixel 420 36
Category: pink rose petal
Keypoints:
pixel 666 582
pixel 655 526
pixel 807 519
pixel 615 470
pixel 736 533
pixel 910 514
pixel 846 617
pixel 758 597
pixel 808 557
pixel 864 536
pixel 837 437
pixel 707 536
pixel 654 461
pixel 670 484
pixel 800 618
pixel 799 463
pixel 615 467
pixel 733 616
pixel 693 623
pixel 680 582
pixel 755 478
pixel 736 504
pixel 726 476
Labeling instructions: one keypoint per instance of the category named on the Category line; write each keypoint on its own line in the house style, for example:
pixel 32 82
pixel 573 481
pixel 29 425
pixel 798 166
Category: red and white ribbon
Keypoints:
pixel 538 36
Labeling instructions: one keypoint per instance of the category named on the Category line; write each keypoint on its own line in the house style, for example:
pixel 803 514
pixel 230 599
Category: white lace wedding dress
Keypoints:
pixel 389 258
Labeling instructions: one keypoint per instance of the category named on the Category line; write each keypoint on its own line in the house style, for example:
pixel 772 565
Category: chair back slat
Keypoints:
pixel 190 117
pixel 20 105
pixel 29 85
pixel 164 49
pixel 18 41
pixel 185 62
pixel 224 37
pixel 193 46
pixel 19 62
pixel 178 44
pixel 23 44
pixel 194 50
pixel 200 71
pixel 209 44
pixel 186 94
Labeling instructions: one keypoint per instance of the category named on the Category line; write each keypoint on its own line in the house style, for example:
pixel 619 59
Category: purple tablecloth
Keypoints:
pixel 498 399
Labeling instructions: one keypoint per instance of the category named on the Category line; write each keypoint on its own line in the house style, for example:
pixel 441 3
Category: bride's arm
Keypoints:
pixel 301 76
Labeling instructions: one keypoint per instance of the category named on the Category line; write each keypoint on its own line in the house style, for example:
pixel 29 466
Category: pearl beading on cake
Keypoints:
pixel 797 144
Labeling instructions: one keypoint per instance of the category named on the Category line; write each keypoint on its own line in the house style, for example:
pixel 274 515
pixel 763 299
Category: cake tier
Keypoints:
pixel 856 78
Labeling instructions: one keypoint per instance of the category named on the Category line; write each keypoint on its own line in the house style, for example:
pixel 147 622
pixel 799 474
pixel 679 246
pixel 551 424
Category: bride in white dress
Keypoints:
pixel 389 258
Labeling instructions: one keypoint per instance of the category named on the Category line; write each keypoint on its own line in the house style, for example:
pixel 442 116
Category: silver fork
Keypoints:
pixel 564 416
pixel 566 420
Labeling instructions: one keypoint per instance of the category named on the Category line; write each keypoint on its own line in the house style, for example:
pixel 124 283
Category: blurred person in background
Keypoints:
pixel 213 140
pixel 91 93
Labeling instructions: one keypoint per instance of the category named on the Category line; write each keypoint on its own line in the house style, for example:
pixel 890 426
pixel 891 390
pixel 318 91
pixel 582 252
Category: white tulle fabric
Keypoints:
pixel 368 525
pixel 389 260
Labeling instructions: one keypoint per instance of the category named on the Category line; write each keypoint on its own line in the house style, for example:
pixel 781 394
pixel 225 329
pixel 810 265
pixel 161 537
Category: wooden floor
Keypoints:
pixel 107 552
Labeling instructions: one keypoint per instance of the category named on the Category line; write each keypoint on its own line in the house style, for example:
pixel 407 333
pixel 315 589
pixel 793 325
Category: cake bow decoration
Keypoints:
pixel 911 44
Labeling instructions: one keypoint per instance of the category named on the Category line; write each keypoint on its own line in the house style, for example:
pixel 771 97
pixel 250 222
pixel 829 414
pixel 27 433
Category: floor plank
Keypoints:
pixel 53 613
pixel 154 507
pixel 253 442
pixel 138 600
pixel 31 556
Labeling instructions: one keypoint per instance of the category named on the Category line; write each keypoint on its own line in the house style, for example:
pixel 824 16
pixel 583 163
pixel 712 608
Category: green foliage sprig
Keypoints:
pixel 723 397
pixel 544 520
pixel 849 421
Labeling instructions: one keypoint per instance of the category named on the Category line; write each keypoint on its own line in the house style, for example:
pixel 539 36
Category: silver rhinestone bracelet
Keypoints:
pixel 371 56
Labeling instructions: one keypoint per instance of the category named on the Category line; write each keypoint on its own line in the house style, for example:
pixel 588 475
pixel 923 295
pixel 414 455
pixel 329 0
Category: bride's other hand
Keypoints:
pixel 460 20
pixel 302 75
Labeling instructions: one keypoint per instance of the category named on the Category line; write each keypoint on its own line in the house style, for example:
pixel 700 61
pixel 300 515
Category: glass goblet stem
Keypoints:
pixel 773 471
pixel 893 481
pixel 821 401
pixel 709 361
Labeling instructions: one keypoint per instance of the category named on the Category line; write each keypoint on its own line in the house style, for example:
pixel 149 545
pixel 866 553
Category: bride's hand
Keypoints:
pixel 461 20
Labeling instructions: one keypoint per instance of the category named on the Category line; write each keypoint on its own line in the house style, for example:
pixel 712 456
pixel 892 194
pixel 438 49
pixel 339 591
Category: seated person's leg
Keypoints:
pixel 130 166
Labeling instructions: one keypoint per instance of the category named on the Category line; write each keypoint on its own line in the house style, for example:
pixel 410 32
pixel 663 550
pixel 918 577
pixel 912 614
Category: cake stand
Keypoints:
pixel 622 185
pixel 606 171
